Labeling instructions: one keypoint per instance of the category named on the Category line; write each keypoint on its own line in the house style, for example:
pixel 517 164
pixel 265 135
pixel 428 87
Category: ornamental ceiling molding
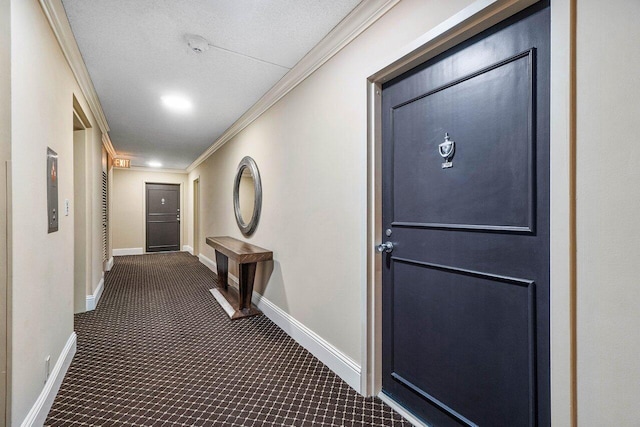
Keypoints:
pixel 54 11
pixel 356 22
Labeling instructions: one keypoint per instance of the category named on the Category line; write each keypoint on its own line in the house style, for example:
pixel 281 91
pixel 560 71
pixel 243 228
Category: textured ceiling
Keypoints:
pixel 136 52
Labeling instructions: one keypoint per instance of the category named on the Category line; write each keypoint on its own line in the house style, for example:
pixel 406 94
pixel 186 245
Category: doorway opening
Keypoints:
pixel 82 218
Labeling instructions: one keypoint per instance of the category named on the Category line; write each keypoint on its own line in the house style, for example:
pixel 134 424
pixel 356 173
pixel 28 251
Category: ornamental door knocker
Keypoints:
pixel 446 150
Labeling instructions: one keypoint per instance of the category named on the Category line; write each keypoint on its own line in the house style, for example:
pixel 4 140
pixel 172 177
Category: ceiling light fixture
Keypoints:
pixel 177 103
pixel 154 164
pixel 199 44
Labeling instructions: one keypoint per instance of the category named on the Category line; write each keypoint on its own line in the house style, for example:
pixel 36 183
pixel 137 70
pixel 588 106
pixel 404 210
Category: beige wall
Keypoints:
pixel 5 156
pixel 608 212
pixel 310 148
pixel 87 207
pixel 43 87
pixel 311 151
pixel 128 207
pixel 82 222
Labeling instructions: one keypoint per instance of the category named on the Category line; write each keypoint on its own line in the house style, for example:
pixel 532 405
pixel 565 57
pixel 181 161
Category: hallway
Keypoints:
pixel 159 350
pixel 513 227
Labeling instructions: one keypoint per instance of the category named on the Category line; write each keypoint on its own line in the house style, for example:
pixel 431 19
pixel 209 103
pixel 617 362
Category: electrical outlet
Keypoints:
pixel 47 367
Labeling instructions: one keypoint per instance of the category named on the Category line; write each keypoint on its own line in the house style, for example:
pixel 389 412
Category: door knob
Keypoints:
pixel 385 247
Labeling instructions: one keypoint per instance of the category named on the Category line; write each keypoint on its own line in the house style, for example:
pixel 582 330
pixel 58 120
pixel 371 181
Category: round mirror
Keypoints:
pixel 247 196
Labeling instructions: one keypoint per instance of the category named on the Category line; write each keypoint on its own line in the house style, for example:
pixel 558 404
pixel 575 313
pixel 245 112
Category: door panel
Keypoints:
pixel 486 350
pixel 496 155
pixel 163 217
pixel 466 288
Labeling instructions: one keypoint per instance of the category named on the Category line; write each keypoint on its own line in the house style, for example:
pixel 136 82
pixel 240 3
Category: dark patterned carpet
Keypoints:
pixel 159 351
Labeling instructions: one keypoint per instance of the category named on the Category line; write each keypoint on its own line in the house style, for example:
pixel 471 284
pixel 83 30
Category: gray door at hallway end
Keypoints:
pixel 466 204
pixel 163 217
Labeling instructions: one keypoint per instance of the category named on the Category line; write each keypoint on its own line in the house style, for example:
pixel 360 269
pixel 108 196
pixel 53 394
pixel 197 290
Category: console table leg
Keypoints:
pixel 247 273
pixel 222 264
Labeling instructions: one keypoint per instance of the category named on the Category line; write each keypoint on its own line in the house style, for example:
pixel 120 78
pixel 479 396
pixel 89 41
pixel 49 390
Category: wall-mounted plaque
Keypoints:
pixel 52 189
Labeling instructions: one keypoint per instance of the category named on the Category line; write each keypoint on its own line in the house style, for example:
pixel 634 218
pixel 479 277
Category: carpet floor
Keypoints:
pixel 160 351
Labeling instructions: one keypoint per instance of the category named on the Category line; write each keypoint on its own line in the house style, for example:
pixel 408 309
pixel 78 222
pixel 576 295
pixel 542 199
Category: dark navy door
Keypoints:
pixel 466 206
pixel 163 217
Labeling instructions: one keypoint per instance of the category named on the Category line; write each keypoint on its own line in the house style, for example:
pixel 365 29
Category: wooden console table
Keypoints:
pixel 247 256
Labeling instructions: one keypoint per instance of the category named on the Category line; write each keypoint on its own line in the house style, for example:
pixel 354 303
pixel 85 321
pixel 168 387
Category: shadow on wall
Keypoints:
pixel 271 272
pixel 268 280
pixel 264 270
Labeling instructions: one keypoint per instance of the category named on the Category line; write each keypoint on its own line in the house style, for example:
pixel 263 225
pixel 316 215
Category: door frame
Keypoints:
pixel 477 17
pixel 144 211
pixel 196 216
pixel 82 236
pixel 5 214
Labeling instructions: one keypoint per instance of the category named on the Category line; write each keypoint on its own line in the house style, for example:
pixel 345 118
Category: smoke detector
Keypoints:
pixel 196 43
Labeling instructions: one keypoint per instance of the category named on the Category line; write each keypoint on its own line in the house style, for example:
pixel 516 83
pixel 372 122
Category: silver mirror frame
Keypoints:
pixel 247 229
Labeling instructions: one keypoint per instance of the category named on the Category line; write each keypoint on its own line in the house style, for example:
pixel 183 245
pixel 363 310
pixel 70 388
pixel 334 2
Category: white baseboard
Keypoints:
pixel 109 265
pixel 402 411
pixel 206 261
pixel 128 251
pixel 345 367
pixel 38 413
pixel 187 248
pixel 92 300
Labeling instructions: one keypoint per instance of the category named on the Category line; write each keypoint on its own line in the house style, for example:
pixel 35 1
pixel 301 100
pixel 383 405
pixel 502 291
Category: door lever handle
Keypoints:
pixel 385 247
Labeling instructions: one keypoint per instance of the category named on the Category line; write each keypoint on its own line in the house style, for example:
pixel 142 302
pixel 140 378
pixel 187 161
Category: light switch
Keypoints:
pixel 66 207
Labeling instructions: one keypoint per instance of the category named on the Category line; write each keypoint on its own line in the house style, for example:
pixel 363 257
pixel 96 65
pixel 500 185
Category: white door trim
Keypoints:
pixel 195 215
pixel 480 15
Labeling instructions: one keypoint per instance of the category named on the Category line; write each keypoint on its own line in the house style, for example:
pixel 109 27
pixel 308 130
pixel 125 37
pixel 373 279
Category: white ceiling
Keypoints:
pixel 135 52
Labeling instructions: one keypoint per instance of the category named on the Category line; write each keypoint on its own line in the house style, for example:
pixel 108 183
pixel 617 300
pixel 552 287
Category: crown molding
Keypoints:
pixel 360 18
pixel 154 170
pixel 106 142
pixel 57 17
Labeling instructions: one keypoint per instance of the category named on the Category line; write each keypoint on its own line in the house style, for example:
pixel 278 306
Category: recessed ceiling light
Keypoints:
pixel 177 103
pixel 154 164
